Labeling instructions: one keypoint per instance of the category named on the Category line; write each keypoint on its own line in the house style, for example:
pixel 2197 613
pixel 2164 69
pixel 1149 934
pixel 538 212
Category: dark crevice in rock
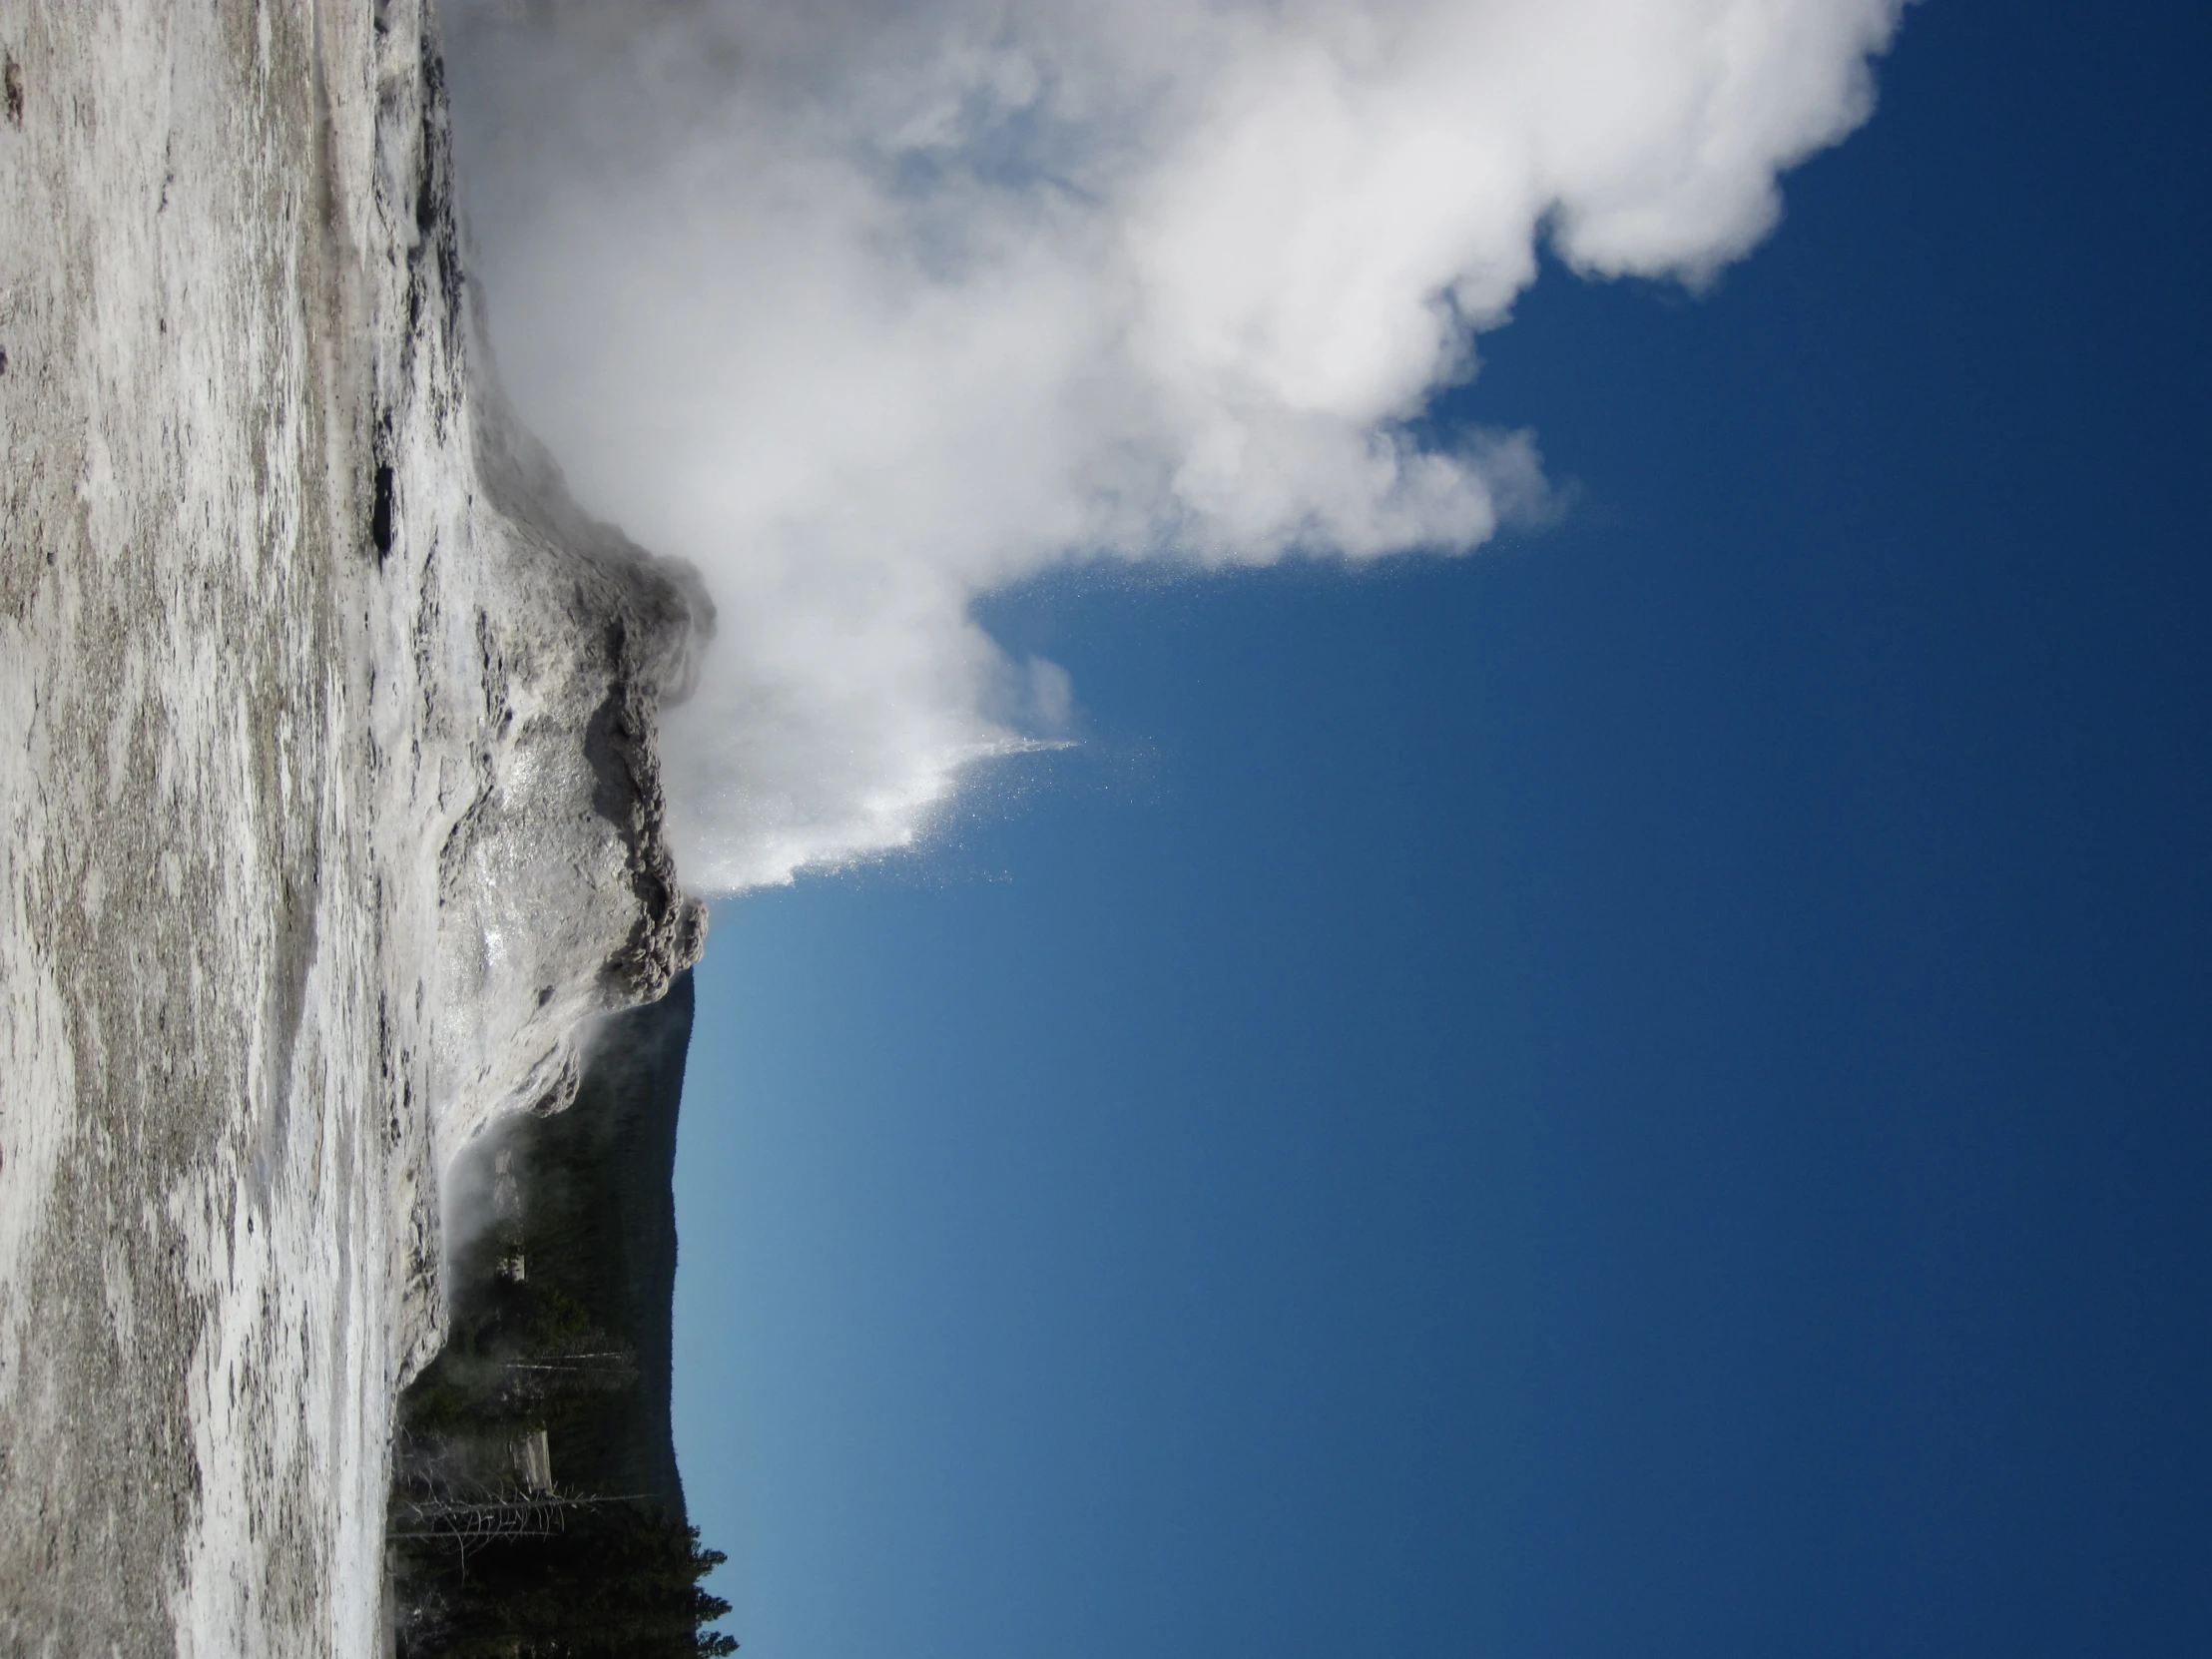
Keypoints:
pixel 380 512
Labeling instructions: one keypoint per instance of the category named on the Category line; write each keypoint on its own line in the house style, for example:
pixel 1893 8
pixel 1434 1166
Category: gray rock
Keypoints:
pixel 329 810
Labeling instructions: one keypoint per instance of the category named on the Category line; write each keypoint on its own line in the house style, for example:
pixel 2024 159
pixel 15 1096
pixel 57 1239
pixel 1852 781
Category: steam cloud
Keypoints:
pixel 869 308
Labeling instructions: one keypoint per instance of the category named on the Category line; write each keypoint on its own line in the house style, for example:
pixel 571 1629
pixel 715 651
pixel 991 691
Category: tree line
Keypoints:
pixel 484 1562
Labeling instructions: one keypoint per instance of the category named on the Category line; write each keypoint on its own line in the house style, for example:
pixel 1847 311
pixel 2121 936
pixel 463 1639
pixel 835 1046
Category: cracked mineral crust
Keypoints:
pixel 331 801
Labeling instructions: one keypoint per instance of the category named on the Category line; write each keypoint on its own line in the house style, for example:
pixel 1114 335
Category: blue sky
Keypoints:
pixel 1642 1092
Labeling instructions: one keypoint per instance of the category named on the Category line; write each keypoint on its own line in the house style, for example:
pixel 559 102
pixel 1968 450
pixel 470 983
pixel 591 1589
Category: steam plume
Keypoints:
pixel 869 308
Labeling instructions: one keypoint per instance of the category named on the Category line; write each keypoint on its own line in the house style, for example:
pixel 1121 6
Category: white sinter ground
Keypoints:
pixel 328 806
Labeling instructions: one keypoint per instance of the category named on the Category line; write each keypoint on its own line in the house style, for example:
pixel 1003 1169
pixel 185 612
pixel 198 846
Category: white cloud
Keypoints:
pixel 870 308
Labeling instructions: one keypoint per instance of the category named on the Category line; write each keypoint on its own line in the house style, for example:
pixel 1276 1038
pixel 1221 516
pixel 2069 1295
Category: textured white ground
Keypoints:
pixel 311 852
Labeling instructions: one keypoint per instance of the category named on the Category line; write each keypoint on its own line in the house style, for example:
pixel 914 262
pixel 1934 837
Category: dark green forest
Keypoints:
pixel 536 1508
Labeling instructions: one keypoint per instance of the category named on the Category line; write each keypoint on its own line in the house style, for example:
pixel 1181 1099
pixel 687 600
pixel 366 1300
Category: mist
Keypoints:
pixel 872 309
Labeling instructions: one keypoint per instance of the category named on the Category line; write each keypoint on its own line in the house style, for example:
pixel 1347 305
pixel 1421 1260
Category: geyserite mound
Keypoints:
pixel 328 804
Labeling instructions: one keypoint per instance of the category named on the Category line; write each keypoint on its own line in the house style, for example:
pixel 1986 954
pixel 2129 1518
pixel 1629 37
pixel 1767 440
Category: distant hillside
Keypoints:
pixel 562 1288
pixel 536 1505
pixel 599 1226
